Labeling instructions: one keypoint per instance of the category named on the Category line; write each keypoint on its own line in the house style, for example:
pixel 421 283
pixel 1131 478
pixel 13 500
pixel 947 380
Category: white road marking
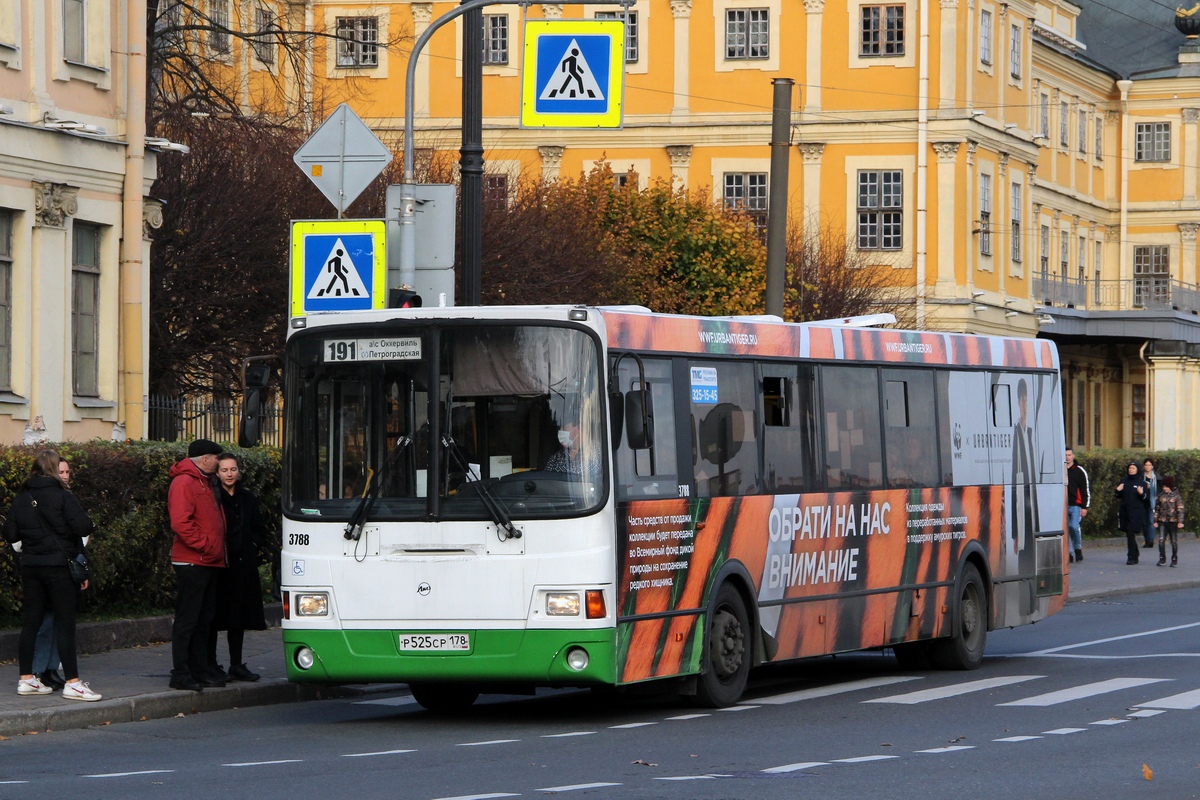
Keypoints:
pixel 576 787
pixel 1018 738
pixel 490 741
pixel 689 716
pixel 1080 692
pixel 925 695
pixel 1146 712
pixel 826 691
pixel 1052 650
pixel 861 759
pixel 950 749
pixel 406 700
pixel 631 725
pixel 127 774
pixel 380 753
pixel 264 763
pixel 689 778
pixel 737 708
pixel 796 767
pixel 11 783
pixel 1185 701
pixel 479 796
pixel 1108 722
pixel 1064 731
pixel 567 735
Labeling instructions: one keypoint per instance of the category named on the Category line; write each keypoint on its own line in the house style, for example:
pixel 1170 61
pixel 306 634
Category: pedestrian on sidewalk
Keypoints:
pixel 198 556
pixel 239 590
pixel 1132 510
pixel 1079 499
pixel 50 525
pixel 1168 518
pixel 1151 479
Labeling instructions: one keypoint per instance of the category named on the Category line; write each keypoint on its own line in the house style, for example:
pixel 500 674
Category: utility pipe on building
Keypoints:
pixel 777 216
pixel 133 325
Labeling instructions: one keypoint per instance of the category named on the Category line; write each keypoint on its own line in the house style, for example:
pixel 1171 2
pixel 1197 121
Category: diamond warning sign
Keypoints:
pixel 573 74
pixel 338 265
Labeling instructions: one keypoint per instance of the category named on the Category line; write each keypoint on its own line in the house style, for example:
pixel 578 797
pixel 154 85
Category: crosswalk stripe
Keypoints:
pixel 1080 692
pixel 795 767
pixel 1018 738
pixel 862 759
pixel 1109 721
pixel 1064 731
pixel 950 749
pixel 577 787
pixel 1147 712
pixel 1184 701
pixel 826 691
pixel 925 695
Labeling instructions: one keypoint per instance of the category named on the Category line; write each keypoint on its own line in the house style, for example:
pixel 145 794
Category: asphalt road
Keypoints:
pixel 1072 707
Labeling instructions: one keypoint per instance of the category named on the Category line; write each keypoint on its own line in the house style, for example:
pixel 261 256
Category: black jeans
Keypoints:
pixel 195 605
pixel 48 587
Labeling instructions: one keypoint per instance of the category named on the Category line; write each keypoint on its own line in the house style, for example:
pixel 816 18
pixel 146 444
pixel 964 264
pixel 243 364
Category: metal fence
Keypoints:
pixel 1152 293
pixel 186 418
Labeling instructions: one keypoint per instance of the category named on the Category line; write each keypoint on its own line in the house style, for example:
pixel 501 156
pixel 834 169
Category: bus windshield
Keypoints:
pixel 443 417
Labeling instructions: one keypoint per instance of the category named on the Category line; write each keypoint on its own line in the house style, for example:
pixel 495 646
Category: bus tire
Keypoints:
pixel 444 697
pixel 912 655
pixel 727 651
pixel 963 649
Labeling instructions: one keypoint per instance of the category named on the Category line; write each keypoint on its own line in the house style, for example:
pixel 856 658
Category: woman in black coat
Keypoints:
pixel 239 591
pixel 50 526
pixel 1133 508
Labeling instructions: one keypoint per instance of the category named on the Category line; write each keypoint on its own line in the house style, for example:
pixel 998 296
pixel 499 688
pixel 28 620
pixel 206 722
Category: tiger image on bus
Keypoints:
pixel 495 499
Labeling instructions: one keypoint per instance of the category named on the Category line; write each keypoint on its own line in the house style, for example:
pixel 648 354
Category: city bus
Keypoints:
pixel 495 499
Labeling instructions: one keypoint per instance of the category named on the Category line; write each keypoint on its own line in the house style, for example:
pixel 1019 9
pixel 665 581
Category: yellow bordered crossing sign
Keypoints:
pixel 573 73
pixel 338 265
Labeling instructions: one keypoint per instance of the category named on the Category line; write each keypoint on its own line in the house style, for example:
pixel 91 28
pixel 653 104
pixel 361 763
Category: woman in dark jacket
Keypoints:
pixel 50 525
pixel 1133 509
pixel 239 591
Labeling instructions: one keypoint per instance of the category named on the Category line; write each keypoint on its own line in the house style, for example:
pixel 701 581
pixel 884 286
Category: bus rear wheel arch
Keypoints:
pixel 728 650
pixel 964 648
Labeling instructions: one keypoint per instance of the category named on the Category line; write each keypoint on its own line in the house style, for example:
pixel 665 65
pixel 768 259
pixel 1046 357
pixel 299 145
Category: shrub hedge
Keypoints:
pixel 123 486
pixel 1106 468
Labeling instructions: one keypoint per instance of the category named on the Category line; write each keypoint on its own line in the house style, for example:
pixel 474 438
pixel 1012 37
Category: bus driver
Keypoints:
pixel 569 459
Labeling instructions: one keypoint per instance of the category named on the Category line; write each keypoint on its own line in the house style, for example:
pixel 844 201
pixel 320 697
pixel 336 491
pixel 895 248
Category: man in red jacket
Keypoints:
pixel 196 554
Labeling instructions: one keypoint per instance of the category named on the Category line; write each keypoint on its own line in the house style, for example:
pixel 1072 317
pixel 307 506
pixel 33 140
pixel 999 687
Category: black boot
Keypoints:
pixel 52 679
pixel 240 672
pixel 1162 559
pixel 1174 558
pixel 1078 554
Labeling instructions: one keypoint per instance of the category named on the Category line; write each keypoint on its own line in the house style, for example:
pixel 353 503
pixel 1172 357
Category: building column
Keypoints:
pixel 681 10
pixel 551 161
pixel 947 86
pixel 422 16
pixel 1187 247
pixel 681 159
pixel 1168 409
pixel 947 156
pixel 1002 249
pixel 971 262
pixel 1191 116
pixel 811 180
pixel 50 361
pixel 815 10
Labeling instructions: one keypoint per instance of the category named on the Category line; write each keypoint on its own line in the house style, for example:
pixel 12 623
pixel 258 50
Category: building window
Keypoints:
pixel 6 259
pixel 1016 222
pixel 1064 124
pixel 747 191
pixel 1045 252
pixel 1082 131
pixel 1151 276
pixel 1099 135
pixel 1064 254
pixel 1044 128
pixel 495 191
pixel 985 37
pixel 1082 256
pixel 1014 52
pixel 1153 141
pixel 218 35
pixel 620 179
pixel 1096 418
pixel 74 30
pixel 630 19
pixel 882 32
pixel 264 45
pixel 880 210
pixel 747 33
pixel 1079 400
pixel 495 39
pixel 1139 415
pixel 85 302
pixel 985 214
pixel 357 42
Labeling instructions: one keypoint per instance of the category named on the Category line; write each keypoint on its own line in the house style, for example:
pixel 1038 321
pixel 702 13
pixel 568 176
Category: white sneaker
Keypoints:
pixel 32 686
pixel 79 691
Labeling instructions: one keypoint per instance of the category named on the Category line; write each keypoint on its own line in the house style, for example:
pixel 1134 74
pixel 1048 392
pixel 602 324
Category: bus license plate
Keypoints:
pixel 455 642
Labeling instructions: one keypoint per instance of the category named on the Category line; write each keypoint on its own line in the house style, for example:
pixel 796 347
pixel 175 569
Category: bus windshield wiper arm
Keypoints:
pixel 504 523
pixel 362 511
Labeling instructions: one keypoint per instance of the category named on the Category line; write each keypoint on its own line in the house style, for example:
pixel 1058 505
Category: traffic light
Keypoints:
pixel 403 298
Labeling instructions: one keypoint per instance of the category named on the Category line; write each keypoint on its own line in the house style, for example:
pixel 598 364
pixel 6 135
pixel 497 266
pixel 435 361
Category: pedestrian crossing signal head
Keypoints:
pixel 403 298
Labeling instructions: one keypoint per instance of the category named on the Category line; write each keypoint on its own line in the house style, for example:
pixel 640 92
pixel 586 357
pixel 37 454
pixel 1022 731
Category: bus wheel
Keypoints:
pixel 444 696
pixel 963 649
pixel 727 652
pixel 912 655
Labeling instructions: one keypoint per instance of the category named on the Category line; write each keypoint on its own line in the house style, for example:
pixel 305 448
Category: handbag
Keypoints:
pixel 77 566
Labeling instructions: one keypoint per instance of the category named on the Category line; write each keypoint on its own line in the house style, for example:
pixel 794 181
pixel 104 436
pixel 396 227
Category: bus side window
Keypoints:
pixel 789 429
pixel 850 400
pixel 723 404
pixel 651 472
pixel 910 432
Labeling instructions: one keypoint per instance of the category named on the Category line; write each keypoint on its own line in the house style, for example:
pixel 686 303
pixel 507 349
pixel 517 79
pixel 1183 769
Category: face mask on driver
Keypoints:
pixel 564 438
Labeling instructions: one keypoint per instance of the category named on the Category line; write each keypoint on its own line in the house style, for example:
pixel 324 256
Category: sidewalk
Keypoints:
pixel 133 679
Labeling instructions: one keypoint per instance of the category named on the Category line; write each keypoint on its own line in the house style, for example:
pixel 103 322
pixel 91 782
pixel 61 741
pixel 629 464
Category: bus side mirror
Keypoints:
pixel 257 378
pixel 639 420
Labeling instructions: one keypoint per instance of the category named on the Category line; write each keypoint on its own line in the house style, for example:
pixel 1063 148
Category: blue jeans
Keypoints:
pixel 1073 531
pixel 45 647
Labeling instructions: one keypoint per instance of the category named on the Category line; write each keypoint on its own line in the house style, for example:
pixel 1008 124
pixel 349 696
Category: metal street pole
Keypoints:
pixel 471 156
pixel 781 135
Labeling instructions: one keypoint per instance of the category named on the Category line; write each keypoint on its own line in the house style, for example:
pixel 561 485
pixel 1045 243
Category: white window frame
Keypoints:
pixel 1044 117
pixel 495 40
pixel 1152 142
pixel 1082 257
pixel 879 209
pixel 631 31
pixel 1081 121
pixel 881 30
pixel 1151 273
pixel 1064 123
pixel 361 51
pixel 75 31
pixel 265 26
pixel 218 35
pixel 747 192
pixel 1099 135
pixel 1064 254
pixel 1044 251
pixel 985 214
pixel 985 37
pixel 85 277
pixel 753 42
pixel 1015 222
pixel 1014 52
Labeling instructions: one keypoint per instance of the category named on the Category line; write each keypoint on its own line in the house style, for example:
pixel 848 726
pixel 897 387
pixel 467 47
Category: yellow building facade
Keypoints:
pixel 1027 167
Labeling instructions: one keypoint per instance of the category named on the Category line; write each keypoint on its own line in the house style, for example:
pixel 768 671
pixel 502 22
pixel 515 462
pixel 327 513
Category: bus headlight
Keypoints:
pixel 562 604
pixel 305 658
pixel 577 659
pixel 314 604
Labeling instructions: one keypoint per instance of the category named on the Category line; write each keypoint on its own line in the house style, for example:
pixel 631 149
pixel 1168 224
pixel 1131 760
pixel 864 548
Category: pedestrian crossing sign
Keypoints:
pixel 573 73
pixel 338 265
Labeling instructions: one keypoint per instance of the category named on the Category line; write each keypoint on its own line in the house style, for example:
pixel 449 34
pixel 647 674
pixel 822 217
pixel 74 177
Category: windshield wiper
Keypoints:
pixel 504 525
pixel 362 511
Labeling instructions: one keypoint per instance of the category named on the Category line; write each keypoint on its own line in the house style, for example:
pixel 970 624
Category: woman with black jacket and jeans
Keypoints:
pixel 50 525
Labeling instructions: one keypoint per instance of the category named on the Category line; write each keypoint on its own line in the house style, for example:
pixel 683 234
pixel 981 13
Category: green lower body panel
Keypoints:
pixel 496 656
